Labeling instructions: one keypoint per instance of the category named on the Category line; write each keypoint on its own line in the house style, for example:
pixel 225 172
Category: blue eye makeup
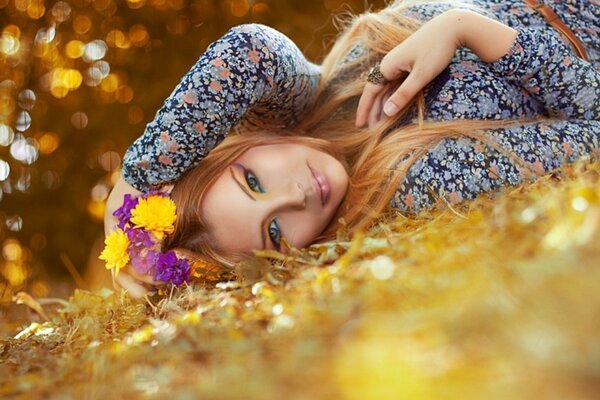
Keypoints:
pixel 275 233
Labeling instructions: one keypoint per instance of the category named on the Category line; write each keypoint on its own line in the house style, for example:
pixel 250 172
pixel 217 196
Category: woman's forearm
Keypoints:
pixel 114 201
pixel 487 38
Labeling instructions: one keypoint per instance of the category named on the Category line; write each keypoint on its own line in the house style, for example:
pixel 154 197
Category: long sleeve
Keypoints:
pixel 253 74
pixel 567 86
pixel 458 169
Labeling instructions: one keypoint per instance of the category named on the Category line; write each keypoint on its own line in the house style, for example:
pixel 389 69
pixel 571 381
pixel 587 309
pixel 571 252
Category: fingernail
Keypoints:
pixel 390 109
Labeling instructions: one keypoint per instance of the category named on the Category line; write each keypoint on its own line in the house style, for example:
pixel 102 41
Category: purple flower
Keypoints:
pixel 169 268
pixel 123 213
pixel 139 237
pixel 144 262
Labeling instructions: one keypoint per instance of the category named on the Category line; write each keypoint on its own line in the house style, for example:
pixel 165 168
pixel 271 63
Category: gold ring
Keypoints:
pixel 376 77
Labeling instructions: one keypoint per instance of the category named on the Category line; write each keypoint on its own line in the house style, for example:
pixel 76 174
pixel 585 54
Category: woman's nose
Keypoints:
pixel 292 197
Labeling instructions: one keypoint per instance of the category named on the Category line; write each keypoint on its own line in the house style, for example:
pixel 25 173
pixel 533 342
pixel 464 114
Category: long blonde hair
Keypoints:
pixel 378 159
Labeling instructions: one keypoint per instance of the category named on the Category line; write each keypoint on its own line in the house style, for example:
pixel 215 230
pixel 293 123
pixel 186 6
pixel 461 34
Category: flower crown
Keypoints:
pixel 143 223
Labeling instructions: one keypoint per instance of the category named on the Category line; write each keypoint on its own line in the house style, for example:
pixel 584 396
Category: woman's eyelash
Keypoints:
pixel 252 181
pixel 275 233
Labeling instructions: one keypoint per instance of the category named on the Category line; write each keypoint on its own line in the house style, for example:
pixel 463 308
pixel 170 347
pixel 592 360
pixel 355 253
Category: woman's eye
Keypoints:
pixel 253 182
pixel 275 233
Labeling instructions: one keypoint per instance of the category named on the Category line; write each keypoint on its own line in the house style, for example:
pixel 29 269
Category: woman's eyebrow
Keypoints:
pixel 263 224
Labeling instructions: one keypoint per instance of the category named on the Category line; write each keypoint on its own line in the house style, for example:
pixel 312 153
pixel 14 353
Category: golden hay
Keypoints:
pixel 496 300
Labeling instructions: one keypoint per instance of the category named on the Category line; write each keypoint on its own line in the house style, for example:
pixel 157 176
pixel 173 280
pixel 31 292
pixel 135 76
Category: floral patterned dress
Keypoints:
pixel 255 71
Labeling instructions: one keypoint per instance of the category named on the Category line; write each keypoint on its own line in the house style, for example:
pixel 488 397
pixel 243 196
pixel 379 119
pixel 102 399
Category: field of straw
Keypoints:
pixel 496 299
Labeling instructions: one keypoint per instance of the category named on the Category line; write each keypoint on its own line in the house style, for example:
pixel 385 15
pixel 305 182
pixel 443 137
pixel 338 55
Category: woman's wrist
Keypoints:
pixel 487 38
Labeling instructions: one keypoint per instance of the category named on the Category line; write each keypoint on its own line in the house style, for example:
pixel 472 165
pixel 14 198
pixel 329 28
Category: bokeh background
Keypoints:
pixel 79 80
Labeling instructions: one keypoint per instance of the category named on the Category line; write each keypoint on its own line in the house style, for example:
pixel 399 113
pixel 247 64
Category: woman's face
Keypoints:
pixel 274 191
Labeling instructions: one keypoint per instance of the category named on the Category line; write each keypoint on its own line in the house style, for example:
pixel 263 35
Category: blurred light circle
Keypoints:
pixel 48 142
pixel 9 44
pixel 82 24
pixel 138 35
pixel 103 67
pixel 79 120
pixel 4 170
pixel 135 115
pixel 36 9
pixel 93 76
pixel 134 4
pixel 109 160
pixel 125 94
pixel 12 30
pixel 74 49
pixel 24 150
pixel 99 192
pixel 23 121
pixel 11 249
pixel 14 223
pixel 6 135
pixel 94 50
pixel 61 11
pixel 24 181
pixel 27 99
pixel 50 179
pixel 110 83
pixel 117 38
pixel 44 36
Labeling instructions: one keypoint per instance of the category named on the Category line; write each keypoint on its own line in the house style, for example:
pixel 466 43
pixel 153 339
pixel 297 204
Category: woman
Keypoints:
pixel 459 105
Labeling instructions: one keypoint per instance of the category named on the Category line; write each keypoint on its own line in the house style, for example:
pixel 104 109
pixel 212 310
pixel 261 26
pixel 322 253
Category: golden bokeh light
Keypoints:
pixel 260 8
pixel 135 4
pixel 48 142
pixel 117 38
pixel 138 35
pixel 79 120
pixel 21 5
pixel 74 49
pixel 38 289
pixel 82 24
pixel 125 94
pixel 36 9
pixel 12 250
pixel 135 115
pixel 9 45
pixel 239 8
pixel 110 83
pixel 12 30
pixel 15 273
pixel 96 210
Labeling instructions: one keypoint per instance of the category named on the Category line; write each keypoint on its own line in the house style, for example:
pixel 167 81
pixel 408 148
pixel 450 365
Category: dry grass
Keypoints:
pixel 498 299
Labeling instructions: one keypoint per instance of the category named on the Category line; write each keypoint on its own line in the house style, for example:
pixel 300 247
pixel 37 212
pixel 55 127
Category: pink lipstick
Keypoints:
pixel 321 185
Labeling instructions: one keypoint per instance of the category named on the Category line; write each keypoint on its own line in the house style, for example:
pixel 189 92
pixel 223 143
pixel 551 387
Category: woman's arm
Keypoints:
pixel 459 169
pixel 253 72
pixel 114 201
pixel 538 61
pixel 567 86
pixel 426 53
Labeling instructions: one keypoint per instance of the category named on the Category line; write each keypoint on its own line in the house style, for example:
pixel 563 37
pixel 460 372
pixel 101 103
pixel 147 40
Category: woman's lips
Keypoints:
pixel 321 185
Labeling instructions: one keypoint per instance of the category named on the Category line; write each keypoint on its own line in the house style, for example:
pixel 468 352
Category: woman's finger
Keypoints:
pixel 367 99
pixel 404 94
pixel 123 280
pixel 376 111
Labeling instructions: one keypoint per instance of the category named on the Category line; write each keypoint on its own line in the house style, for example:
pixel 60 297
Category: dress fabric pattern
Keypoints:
pixel 255 70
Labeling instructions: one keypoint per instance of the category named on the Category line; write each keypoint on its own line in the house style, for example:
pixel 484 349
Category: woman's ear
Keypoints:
pixel 167 188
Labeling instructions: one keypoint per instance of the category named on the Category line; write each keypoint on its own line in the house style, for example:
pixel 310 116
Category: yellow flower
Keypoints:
pixel 115 250
pixel 155 214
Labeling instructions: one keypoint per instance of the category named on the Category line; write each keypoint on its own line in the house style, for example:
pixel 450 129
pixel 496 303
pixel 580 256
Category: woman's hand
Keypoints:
pixel 136 284
pixel 424 54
